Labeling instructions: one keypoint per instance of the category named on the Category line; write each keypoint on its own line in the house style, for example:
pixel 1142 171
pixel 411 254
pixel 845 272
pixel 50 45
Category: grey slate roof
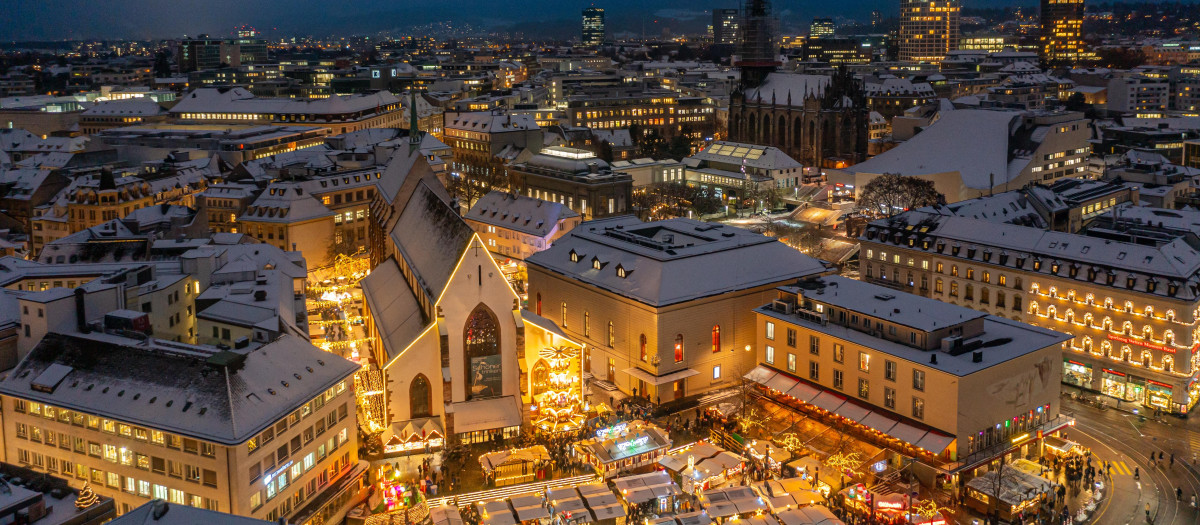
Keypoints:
pixel 431 237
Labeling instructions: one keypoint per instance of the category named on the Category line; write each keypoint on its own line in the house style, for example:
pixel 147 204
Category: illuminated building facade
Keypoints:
pixel 593 31
pixel 1061 31
pixel 935 381
pixel 629 292
pixel 338 114
pixel 662 110
pixel 725 26
pixel 127 424
pixel 928 29
pixel 1131 308
pixel 821 27
pixel 577 179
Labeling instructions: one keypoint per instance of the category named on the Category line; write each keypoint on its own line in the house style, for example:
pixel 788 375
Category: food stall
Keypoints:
pixel 809 469
pixel 687 518
pixel 624 447
pixel 445 514
pixel 788 493
pixel 712 472
pixel 768 455
pixel 566 507
pixel 815 515
pixel 1058 446
pixel 725 503
pixel 1015 490
pixel 655 493
pixel 530 509
pixel 513 466
pixel 413 437
pixel 495 512
pixel 603 504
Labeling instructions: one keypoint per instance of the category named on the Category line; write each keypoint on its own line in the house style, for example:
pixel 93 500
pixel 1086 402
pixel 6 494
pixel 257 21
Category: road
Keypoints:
pixel 1120 438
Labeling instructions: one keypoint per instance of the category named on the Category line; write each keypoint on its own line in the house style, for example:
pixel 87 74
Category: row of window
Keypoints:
pixel 105 425
pixel 276 481
pixel 113 480
pixel 121 455
pixel 302 493
pixel 315 404
pixel 864 385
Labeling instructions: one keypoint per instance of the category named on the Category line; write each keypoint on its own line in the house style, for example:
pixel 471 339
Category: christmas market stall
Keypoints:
pixel 771 456
pixel 654 493
pixel 687 518
pixel 513 466
pixel 530 509
pixel 1014 489
pixel 624 447
pixel 415 436
pixel 445 514
pixel 1058 446
pixel 815 515
pixel 725 503
pixel 495 512
pixel 566 506
pixel 789 493
pixel 603 504
pixel 712 472
pixel 809 470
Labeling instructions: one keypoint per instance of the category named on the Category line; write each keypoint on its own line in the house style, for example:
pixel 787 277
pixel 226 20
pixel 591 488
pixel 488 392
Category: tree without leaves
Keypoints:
pixel 891 193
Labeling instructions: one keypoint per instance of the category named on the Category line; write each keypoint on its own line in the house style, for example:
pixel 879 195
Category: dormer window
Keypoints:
pixel 574 256
pixel 621 272
pixel 596 264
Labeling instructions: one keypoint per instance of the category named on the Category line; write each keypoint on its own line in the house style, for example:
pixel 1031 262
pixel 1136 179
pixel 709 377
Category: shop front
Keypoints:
pixel 1122 386
pixel 625 446
pixel 1077 374
pixel 1158 395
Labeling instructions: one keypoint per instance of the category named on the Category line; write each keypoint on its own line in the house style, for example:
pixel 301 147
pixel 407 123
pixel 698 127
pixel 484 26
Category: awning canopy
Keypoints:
pixel 852 412
pixel 803 391
pixel 487 414
pixel 760 374
pixel 935 442
pixel 780 382
pixel 669 377
pixel 828 401
pixel 907 433
pixel 879 422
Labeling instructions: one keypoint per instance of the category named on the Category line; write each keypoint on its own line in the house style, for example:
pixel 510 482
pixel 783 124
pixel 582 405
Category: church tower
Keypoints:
pixel 758 54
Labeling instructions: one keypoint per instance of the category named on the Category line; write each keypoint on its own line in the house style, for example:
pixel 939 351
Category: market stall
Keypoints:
pixel 725 503
pixel 624 447
pixel 789 493
pixel 712 472
pixel 413 437
pixel 530 509
pixel 770 456
pixel 809 470
pixel 495 512
pixel 603 504
pixel 513 466
pixel 1008 491
pixel 445 514
pixel 654 493
pixel 687 518
pixel 566 507
pixel 815 515
pixel 1060 447
pixel 682 458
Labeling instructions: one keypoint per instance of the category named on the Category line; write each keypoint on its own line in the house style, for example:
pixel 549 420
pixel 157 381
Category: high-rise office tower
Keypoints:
pixel 1061 32
pixel 928 29
pixel 876 19
pixel 821 27
pixel 593 26
pixel 725 26
pixel 758 53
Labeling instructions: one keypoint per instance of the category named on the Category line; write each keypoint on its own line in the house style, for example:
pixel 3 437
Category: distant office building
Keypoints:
pixel 593 26
pixel 212 53
pixel 876 19
pixel 1062 31
pixel 928 29
pixel 725 26
pixel 821 27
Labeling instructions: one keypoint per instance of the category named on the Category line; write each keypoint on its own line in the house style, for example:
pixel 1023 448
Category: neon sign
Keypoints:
pixel 611 432
pixel 1151 346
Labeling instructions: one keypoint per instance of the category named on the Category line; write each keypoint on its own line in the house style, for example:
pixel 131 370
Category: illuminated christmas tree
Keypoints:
pixel 559 408
pixel 87 497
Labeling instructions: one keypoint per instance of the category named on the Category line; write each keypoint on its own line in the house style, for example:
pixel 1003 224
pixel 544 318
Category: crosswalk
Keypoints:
pixel 1194 441
pixel 1120 468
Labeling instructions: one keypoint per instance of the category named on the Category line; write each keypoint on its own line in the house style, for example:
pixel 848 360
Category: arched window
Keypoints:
pixel 1087 344
pixel 1169 337
pixel 419 400
pixel 541 377
pixel 538 309
pixel 678 348
pixel 1127 328
pixel 716 338
pixel 1107 323
pixel 1168 364
pixel 1146 358
pixel 1070 316
pixel 1126 353
pixel 642 344
pixel 1106 348
pixel 481 343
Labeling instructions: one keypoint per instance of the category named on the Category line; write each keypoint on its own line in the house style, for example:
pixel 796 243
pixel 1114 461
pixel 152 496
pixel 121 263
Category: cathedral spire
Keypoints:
pixel 414 129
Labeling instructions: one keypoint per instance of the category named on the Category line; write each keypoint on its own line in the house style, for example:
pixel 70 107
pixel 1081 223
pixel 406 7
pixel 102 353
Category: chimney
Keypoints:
pixel 80 311
pixel 933 359
pixel 260 295
pixel 159 509
pixel 977 357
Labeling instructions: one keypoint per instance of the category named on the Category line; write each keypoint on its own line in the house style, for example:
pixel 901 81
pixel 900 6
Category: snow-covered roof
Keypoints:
pixel 431 237
pixel 671 261
pixel 202 392
pixel 240 101
pixel 130 107
pixel 285 202
pixel 751 155
pixel 490 122
pixel 782 88
pixel 519 213
pixel 943 148
pixel 894 87
pixel 394 308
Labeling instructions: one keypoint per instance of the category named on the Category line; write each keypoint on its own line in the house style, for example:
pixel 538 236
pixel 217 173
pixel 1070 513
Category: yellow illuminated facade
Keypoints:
pixel 1062 31
pixel 928 29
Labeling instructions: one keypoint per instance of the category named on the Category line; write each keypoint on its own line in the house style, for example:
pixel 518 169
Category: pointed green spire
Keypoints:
pixel 414 131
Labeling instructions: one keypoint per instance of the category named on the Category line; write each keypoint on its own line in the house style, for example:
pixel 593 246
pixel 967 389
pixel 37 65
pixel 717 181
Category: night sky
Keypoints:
pixel 79 19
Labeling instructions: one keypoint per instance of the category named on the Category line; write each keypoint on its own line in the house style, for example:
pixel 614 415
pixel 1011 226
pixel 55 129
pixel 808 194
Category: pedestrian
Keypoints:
pixel 1147 511
pixel 1172 459
pixel 1137 473
pixel 1178 494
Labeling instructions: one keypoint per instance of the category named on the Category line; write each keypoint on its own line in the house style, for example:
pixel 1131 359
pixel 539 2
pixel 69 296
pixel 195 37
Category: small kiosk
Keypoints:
pixel 789 493
pixel 815 515
pixel 530 509
pixel 520 465
pixel 624 447
pixel 654 493
pixel 566 507
pixel 1016 491
pixel 496 512
pixel 730 502
pixel 770 456
pixel 712 472
pixel 809 470
pixel 603 504
pixel 445 514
